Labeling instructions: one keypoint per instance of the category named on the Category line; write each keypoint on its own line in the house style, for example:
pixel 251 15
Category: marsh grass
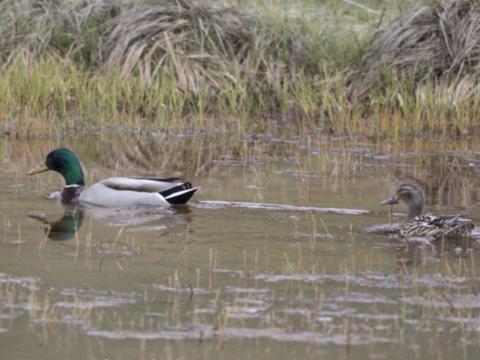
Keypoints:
pixel 433 41
pixel 102 65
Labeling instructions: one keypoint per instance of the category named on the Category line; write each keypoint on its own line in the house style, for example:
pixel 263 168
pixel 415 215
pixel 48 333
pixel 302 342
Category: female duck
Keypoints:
pixel 437 226
pixel 113 192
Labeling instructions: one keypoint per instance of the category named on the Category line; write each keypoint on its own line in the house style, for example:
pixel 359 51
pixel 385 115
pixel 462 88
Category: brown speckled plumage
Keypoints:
pixel 428 225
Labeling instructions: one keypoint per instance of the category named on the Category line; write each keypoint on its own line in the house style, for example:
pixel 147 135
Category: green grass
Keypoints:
pixel 90 65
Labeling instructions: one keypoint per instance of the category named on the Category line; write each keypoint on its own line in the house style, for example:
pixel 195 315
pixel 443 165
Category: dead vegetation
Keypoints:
pixel 153 62
pixel 435 44
pixel 200 44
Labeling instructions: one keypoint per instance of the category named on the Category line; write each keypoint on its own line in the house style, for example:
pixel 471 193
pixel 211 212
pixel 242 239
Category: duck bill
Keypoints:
pixel 39 169
pixel 390 201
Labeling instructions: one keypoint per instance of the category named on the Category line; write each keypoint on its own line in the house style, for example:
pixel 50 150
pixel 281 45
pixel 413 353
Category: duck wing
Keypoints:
pixel 458 226
pixel 419 228
pixel 450 226
pixel 141 184
pixel 174 190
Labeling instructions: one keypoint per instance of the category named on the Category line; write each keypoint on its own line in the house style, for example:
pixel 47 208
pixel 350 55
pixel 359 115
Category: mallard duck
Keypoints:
pixel 116 191
pixel 429 225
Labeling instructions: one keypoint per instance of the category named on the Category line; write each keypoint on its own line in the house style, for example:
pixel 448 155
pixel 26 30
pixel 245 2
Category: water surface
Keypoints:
pixel 273 258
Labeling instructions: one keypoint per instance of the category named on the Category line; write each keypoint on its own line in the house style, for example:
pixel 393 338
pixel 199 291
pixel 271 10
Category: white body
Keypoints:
pixel 121 192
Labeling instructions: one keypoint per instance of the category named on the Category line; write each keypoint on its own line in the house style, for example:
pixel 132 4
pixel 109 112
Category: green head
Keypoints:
pixel 64 162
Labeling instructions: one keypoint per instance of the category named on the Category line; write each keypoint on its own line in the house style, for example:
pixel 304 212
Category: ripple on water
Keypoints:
pixel 246 312
pixel 237 290
pixel 16 242
pixel 374 280
pixel 90 299
pixel 189 332
pixel 295 311
pixel 203 332
pixel 114 250
pixel 98 302
pixel 67 320
pixel 215 204
pixel 187 290
pixel 362 298
pixel 457 301
pixel 23 281
pixel 7 316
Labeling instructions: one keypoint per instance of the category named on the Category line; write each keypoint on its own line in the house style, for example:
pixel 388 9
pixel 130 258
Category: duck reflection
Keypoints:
pixel 63 228
pixel 420 251
pixel 146 217
pixel 142 219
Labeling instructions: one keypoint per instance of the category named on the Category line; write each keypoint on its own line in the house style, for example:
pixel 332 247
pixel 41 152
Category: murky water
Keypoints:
pixel 273 259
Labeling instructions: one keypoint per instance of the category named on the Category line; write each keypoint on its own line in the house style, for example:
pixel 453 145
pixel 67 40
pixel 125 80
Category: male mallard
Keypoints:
pixel 113 192
pixel 437 226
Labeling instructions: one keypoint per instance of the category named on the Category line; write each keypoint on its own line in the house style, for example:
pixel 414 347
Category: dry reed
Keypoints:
pixel 437 43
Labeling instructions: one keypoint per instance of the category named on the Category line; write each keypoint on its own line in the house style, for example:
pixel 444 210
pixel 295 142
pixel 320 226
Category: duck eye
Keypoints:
pixel 404 195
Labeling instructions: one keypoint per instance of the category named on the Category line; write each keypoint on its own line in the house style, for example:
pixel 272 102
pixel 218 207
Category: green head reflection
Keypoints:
pixel 64 228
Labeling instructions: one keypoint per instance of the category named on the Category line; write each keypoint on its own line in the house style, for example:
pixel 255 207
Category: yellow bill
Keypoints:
pixel 39 169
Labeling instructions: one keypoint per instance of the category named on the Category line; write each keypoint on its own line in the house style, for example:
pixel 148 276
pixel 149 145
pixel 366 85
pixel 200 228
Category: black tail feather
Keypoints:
pixel 175 189
pixel 179 194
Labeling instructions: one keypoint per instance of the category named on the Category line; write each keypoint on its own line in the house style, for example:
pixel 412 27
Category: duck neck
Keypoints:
pixel 415 208
pixel 70 193
pixel 73 175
